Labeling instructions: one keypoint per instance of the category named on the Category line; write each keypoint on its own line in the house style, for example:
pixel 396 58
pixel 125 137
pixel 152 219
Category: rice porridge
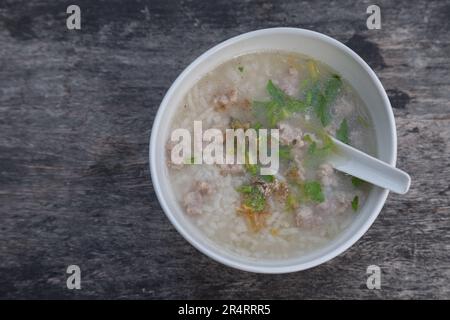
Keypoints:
pixel 306 203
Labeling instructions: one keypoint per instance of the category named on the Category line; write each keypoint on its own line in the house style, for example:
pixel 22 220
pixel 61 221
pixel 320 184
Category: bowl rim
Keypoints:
pixel 216 255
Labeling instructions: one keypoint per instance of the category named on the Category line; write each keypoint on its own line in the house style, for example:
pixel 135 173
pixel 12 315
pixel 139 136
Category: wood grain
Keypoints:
pixel 76 109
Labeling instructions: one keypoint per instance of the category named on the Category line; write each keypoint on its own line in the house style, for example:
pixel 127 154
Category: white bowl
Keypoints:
pixel 328 51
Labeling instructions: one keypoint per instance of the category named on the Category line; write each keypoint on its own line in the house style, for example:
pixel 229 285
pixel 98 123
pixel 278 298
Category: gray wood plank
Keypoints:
pixel 76 109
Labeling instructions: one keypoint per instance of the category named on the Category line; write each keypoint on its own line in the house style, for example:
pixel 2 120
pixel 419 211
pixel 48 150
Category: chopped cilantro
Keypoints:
pixel 332 87
pixel 313 191
pixel 321 96
pixel 252 197
pixel 308 98
pixel 356 182
pixel 307 138
pixel 313 69
pixel 355 203
pixel 241 69
pixel 277 95
pixel 323 151
pixel 326 98
pixel 284 152
pixel 254 170
pixel 312 148
pixel 257 125
pixel 267 178
pixel 244 189
pixel 342 132
pixel 293 105
pixel 304 84
pixel 328 143
pixel 317 95
pixel 291 202
pixel 363 121
pixel 280 107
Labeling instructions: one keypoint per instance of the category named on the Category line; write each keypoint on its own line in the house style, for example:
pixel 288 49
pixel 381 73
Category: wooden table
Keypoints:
pixel 76 110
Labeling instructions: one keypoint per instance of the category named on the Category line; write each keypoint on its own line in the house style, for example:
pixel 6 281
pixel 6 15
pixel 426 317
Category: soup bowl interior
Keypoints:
pixel 322 48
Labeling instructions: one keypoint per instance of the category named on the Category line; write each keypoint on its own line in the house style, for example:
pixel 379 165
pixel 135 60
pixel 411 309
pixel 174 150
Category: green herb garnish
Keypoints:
pixel 312 149
pixel 342 132
pixel 255 169
pixel 307 138
pixel 313 191
pixel 257 125
pixel 252 197
pixel 328 143
pixel 280 107
pixel 267 178
pixel 284 152
pixel 326 98
pixel 277 95
pixel 362 121
pixel 321 96
pixel 244 189
pixel 323 151
pixel 241 69
pixel 271 111
pixel 291 202
pixel 252 169
pixel 355 203
pixel 313 69
pixel 356 182
pixel 294 105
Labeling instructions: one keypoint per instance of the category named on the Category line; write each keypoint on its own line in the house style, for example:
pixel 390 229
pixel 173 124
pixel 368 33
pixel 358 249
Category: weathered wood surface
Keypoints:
pixel 76 109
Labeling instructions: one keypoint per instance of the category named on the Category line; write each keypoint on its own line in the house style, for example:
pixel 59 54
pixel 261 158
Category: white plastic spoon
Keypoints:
pixel 359 164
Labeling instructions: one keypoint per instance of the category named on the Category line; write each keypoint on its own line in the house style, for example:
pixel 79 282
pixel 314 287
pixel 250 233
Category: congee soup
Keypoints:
pixel 305 203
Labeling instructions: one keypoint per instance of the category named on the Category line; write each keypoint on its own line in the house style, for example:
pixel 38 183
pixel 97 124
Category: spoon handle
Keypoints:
pixel 365 167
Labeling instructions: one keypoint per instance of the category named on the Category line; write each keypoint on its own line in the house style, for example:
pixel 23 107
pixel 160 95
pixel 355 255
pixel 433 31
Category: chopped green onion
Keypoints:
pixel 356 182
pixel 355 203
pixel 313 191
pixel 342 132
